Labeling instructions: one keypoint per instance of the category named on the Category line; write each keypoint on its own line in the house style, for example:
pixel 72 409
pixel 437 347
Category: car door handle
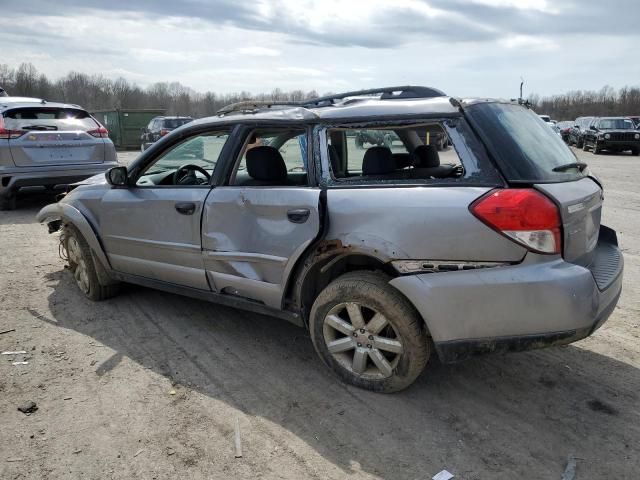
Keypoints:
pixel 186 208
pixel 298 215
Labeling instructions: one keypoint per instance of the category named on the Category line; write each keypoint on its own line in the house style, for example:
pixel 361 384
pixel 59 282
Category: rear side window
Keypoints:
pixel 409 152
pixel 49 119
pixel 525 148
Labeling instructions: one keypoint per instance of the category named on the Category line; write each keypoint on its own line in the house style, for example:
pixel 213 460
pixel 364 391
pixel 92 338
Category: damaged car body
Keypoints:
pixel 494 244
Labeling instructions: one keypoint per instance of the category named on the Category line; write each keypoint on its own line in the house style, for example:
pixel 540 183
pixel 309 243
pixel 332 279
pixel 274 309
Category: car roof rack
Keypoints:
pixel 252 105
pixel 385 93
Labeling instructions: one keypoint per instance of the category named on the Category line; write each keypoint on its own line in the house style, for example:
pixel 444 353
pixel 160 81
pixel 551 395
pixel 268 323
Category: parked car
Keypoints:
pixel 46 144
pixel 158 128
pixel 545 118
pixel 576 134
pixel 500 250
pixel 565 129
pixel 613 134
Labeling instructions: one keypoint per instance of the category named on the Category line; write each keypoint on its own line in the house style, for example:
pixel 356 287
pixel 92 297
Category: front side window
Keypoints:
pixel 190 162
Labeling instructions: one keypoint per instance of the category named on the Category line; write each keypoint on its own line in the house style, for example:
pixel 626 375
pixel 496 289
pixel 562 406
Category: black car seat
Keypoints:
pixel 426 163
pixel 265 166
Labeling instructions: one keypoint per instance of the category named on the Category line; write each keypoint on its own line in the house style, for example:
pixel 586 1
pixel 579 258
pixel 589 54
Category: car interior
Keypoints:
pixel 272 158
pixel 411 156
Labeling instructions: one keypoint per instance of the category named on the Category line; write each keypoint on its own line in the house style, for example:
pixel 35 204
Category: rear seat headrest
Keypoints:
pixel 378 161
pixel 265 163
pixel 426 156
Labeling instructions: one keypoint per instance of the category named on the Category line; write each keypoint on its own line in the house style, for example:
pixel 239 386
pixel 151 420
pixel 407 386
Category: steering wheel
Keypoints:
pixel 185 175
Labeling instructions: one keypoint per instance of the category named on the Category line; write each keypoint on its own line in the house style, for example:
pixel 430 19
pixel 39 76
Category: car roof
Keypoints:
pixel 352 109
pixel 19 102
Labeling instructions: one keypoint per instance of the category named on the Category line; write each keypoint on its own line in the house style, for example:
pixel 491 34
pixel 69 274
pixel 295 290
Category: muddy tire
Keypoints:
pixel 368 333
pixel 85 270
pixel 8 203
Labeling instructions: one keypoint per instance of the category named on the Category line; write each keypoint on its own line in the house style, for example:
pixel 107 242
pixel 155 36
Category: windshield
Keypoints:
pixel 615 123
pixel 524 146
pixel 53 119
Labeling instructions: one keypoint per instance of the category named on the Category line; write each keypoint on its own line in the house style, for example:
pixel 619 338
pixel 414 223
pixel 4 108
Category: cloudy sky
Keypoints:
pixel 464 47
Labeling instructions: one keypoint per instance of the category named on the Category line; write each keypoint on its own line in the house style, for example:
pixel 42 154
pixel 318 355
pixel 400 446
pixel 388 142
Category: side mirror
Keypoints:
pixel 117 176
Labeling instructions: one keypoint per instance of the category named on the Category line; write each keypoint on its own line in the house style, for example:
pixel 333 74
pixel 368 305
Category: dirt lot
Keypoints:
pixel 149 385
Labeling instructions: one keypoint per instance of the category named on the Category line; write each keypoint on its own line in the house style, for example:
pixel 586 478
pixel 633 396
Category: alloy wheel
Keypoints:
pixel 362 340
pixel 78 264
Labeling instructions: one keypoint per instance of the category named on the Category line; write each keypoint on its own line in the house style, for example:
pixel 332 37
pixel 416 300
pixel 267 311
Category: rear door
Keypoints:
pixel 54 136
pixel 254 229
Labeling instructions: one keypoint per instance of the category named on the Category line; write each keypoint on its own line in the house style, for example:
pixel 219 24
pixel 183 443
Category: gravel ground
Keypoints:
pixel 150 385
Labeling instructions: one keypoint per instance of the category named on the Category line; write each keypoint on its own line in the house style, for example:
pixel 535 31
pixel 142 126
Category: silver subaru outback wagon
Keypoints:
pixel 385 254
pixel 47 144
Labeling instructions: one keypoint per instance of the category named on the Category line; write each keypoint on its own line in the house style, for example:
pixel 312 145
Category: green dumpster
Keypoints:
pixel 125 125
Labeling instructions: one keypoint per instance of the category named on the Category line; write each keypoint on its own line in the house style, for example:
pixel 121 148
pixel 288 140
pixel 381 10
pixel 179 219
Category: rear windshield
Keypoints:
pixel 43 118
pixel 526 149
pixel 615 123
pixel 175 122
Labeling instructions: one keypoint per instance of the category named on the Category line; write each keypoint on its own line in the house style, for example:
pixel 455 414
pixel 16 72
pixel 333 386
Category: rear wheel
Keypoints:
pixel 86 272
pixel 368 333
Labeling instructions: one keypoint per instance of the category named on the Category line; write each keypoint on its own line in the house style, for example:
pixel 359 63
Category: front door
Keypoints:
pixel 152 229
pixel 257 225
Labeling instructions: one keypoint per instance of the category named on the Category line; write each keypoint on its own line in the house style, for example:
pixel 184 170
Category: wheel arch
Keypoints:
pixel 326 262
pixel 68 214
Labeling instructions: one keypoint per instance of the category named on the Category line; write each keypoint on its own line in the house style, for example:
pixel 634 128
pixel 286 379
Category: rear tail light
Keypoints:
pixel 524 215
pixel 99 132
pixel 164 132
pixel 9 134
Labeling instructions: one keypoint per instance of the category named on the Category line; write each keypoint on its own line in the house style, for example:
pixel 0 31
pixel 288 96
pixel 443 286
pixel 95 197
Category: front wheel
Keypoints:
pixel 86 272
pixel 368 333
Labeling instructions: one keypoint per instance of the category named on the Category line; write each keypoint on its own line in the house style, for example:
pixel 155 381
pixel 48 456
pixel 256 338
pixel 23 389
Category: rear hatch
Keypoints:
pixel 530 154
pixel 51 136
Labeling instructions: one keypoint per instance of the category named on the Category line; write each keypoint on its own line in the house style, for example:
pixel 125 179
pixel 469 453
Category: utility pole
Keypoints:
pixel 521 84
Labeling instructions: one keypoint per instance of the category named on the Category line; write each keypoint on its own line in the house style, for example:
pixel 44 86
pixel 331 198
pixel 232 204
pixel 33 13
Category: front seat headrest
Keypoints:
pixel 266 164
pixel 426 156
pixel 378 161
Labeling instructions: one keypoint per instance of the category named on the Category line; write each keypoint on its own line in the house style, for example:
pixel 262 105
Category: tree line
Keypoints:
pixel 606 102
pixel 96 92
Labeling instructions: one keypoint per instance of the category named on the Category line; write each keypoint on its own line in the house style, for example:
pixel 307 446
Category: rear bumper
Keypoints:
pixel 538 303
pixel 13 179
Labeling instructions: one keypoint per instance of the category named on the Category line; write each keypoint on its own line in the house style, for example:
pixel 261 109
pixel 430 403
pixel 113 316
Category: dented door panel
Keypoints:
pixel 250 240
